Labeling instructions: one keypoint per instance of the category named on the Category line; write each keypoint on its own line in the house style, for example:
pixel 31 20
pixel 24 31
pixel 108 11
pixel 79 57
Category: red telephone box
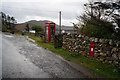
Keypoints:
pixel 49 31
pixel 92 48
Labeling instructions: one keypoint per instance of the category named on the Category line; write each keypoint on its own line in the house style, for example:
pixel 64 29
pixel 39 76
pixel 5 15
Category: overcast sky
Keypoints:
pixel 25 10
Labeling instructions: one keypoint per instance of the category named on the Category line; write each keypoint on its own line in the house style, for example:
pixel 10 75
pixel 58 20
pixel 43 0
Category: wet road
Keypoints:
pixel 24 59
pixel 15 65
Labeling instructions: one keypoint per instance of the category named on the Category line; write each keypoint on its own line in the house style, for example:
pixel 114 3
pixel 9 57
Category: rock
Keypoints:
pixel 90 39
pixel 114 56
pixel 108 52
pixel 118 44
pixel 96 39
pixel 110 62
pixel 114 50
pixel 79 36
pixel 82 36
pixel 110 42
pixel 100 40
pixel 115 62
pixel 68 33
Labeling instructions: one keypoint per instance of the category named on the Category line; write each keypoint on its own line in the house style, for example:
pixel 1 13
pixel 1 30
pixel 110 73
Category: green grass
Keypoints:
pixel 94 65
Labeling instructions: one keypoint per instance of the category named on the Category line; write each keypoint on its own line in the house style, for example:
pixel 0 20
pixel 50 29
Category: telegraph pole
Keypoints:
pixel 60 22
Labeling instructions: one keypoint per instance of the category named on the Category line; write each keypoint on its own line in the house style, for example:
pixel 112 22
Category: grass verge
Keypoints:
pixel 94 65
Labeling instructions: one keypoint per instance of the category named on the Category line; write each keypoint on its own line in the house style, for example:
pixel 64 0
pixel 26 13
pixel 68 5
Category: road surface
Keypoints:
pixel 24 59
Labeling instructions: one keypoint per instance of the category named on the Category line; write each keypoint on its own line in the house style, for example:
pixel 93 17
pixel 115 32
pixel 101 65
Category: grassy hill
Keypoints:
pixel 31 23
pixel 21 26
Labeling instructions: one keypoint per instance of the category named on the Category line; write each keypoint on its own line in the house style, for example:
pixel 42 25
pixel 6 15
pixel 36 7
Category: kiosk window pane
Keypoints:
pixel 52 33
pixel 47 33
pixel 51 24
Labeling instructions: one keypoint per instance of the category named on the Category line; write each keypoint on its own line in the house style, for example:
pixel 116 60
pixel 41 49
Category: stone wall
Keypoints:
pixel 106 50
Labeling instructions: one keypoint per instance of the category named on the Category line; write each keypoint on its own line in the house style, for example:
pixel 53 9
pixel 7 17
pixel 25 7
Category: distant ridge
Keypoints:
pixel 21 26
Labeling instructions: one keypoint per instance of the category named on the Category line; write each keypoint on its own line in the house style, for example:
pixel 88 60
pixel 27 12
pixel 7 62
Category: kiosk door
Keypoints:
pixel 46 33
pixel 52 33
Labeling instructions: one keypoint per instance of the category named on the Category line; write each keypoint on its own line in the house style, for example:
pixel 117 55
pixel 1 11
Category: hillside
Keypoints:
pixel 21 26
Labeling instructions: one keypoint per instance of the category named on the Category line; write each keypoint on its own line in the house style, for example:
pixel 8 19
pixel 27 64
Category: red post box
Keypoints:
pixel 49 31
pixel 92 48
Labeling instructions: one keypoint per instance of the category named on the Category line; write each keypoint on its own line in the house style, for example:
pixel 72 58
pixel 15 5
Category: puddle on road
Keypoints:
pixel 8 36
pixel 30 39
